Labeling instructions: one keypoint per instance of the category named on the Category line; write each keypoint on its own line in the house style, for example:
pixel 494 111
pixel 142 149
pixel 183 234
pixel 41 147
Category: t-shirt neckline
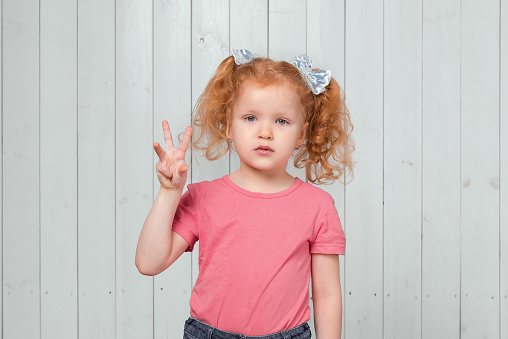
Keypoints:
pixel 282 193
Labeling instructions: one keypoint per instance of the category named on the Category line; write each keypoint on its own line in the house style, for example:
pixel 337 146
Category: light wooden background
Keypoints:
pixel 86 84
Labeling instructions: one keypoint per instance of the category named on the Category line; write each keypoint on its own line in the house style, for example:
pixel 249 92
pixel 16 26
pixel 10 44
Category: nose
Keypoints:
pixel 265 131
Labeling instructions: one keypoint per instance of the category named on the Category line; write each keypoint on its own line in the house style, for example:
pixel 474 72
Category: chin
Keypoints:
pixel 265 168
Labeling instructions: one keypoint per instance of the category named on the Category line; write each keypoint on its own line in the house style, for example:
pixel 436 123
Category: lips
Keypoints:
pixel 264 148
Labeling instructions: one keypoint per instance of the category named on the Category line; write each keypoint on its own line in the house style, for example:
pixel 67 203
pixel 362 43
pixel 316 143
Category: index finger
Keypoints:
pixel 167 134
pixel 186 139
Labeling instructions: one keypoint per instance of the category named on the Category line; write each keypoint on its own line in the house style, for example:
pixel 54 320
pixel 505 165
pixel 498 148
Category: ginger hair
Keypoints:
pixel 326 152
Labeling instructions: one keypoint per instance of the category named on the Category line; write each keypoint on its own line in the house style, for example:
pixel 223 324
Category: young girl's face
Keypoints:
pixel 267 125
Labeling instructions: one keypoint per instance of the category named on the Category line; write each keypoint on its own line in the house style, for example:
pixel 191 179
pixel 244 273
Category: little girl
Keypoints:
pixel 262 232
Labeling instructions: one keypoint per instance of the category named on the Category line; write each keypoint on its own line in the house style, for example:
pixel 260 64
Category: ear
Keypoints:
pixel 303 132
pixel 228 131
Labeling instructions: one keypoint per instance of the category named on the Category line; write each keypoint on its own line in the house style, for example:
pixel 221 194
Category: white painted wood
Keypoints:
pixel 210 45
pixel 134 163
pixel 58 179
pixel 21 169
pixel 441 170
pixel 249 30
pixel 402 168
pixel 1 167
pixel 287 29
pixel 96 169
pixel 325 47
pixel 480 170
pixel 249 26
pixel 326 36
pixel 172 102
pixel 115 130
pixel 364 195
pixel 504 172
pixel 287 39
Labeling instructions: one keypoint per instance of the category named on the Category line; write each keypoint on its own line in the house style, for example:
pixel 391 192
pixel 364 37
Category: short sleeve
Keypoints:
pixel 185 221
pixel 329 236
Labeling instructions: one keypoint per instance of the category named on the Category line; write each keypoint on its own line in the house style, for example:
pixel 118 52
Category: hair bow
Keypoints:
pixel 242 56
pixel 316 80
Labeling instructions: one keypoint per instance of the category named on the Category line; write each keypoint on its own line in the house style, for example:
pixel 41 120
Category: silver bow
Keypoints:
pixel 316 80
pixel 242 56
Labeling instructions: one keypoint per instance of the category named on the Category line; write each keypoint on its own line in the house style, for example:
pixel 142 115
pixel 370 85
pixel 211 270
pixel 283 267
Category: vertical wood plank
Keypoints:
pixel 504 171
pixel 249 26
pixel 58 182
pixel 441 170
pixel 96 169
pixel 134 163
pixel 210 45
pixel 364 195
pixel 172 102
pixel 480 169
pixel 326 23
pixel 402 168
pixel 287 32
pixel 325 46
pixel 21 170
pixel 249 30
pixel 1 165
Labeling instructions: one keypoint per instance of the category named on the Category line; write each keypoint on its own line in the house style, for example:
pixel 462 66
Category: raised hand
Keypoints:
pixel 171 167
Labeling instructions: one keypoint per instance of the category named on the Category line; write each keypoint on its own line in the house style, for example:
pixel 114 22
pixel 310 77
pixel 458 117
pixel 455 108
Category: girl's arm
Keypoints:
pixel 326 296
pixel 158 245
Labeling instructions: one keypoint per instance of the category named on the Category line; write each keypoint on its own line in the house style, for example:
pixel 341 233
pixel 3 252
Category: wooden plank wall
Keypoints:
pixel 86 84
pixel 96 169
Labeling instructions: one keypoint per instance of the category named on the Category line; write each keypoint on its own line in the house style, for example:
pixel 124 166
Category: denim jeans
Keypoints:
pixel 195 329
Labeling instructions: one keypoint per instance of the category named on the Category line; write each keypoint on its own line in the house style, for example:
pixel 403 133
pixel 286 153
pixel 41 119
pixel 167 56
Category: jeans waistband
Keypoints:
pixel 195 329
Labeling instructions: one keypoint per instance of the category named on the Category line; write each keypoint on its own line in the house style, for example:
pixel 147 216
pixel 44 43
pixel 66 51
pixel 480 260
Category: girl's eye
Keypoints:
pixel 250 118
pixel 282 122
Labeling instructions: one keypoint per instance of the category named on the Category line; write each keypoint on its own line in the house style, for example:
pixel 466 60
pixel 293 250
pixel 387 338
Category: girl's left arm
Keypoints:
pixel 326 296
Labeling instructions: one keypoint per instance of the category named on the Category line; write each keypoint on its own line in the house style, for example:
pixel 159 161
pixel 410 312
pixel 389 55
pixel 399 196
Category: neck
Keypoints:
pixel 261 181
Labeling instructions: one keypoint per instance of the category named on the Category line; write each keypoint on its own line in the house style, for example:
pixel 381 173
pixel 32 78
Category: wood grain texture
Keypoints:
pixel 21 170
pixel 480 170
pixel 402 168
pixel 134 163
pixel 441 170
pixel 364 195
pixel 83 95
pixel 287 29
pixel 96 169
pixel 172 102
pixel 1 165
pixel 249 26
pixel 58 175
pixel 503 185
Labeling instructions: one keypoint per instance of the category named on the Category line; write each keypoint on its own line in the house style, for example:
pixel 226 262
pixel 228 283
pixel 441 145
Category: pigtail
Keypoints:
pixel 328 145
pixel 212 111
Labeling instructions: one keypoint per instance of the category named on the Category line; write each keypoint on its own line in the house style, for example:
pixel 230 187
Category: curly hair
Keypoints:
pixel 326 153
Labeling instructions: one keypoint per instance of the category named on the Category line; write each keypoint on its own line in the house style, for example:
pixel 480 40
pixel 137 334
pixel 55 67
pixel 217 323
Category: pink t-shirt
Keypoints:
pixel 255 252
